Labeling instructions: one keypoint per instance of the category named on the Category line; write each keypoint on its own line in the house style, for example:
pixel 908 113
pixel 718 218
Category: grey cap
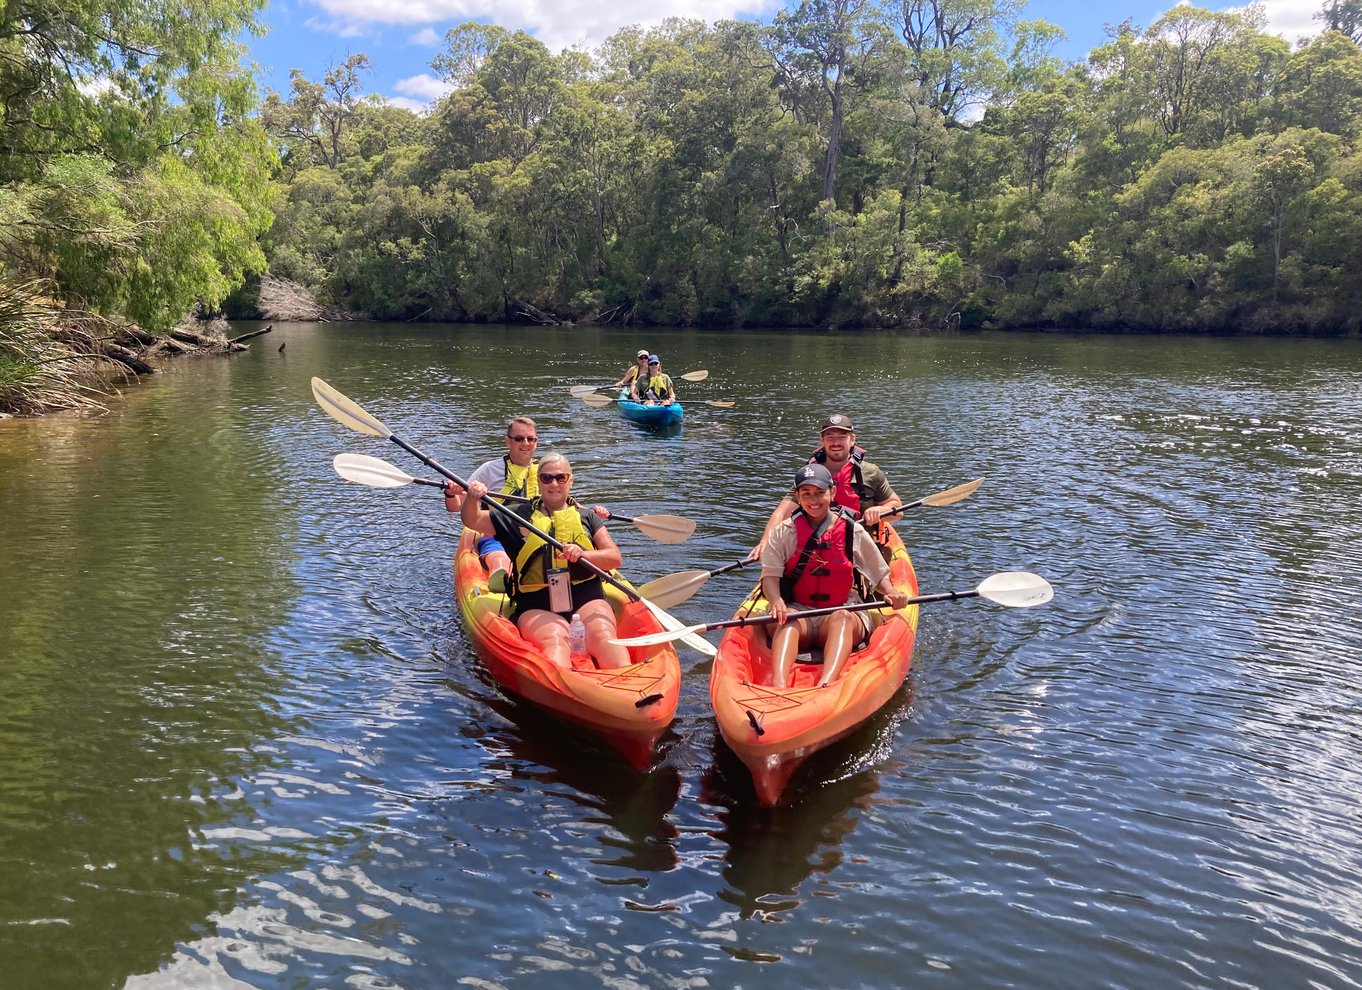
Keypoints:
pixel 813 474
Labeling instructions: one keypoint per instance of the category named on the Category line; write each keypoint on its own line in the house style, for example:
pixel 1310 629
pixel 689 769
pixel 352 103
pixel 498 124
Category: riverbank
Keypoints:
pixel 54 359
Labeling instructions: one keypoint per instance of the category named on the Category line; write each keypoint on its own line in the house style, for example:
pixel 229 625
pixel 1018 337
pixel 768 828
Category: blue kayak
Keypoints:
pixel 652 415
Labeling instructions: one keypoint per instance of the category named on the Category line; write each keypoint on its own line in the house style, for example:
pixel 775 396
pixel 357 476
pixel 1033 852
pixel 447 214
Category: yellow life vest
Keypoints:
pixel 520 480
pixel 659 385
pixel 565 526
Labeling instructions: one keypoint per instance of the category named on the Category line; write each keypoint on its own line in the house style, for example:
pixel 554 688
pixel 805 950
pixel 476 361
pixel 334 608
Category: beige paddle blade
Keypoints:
pixel 678 631
pixel 347 412
pixel 1016 589
pixel 652 639
pixel 365 470
pixel 694 376
pixel 580 390
pixel 674 589
pixel 665 529
pixel 953 495
pixel 596 400
pixel 720 403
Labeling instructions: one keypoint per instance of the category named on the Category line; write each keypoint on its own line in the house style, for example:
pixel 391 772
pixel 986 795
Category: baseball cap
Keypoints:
pixel 813 474
pixel 652 359
pixel 642 353
pixel 837 422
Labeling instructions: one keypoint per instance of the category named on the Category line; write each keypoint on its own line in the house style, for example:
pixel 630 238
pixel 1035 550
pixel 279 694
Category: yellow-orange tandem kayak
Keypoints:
pixel 773 730
pixel 630 707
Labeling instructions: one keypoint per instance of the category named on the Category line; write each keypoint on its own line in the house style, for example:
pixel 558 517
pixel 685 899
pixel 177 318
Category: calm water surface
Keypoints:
pixel 244 741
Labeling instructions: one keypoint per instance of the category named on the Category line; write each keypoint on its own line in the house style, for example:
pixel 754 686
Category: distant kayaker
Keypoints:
pixel 639 370
pixel 550 585
pixel 812 560
pixel 655 389
pixel 860 486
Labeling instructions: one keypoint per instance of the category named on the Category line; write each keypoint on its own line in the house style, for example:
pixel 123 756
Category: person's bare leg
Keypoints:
pixel 599 619
pixel 784 649
pixel 548 631
pixel 842 631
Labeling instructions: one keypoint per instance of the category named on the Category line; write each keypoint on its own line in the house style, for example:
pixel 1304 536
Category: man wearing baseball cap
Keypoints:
pixel 639 370
pixel 811 562
pixel 859 486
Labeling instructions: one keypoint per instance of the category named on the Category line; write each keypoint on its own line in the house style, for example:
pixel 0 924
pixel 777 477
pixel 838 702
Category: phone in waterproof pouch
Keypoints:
pixel 560 590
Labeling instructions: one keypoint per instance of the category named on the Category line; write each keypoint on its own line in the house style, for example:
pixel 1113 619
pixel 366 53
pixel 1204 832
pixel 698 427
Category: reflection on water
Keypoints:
pixel 246 742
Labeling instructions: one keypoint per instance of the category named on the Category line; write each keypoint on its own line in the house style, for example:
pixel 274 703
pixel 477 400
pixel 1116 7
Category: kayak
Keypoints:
pixel 773 730
pixel 651 415
pixel 629 707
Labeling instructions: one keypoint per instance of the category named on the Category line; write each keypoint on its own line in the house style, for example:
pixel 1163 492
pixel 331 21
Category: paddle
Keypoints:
pixel 601 401
pixel 580 390
pixel 673 589
pixel 376 473
pixel 1012 589
pixel 351 414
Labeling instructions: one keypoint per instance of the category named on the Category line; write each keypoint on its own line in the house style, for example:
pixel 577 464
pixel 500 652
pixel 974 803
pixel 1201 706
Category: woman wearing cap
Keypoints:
pixel 654 389
pixel 811 561
pixel 639 370
pixel 538 565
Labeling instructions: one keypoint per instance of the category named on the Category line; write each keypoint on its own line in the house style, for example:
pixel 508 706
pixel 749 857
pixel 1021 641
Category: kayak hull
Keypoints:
pixel 774 730
pixel 629 707
pixel 637 412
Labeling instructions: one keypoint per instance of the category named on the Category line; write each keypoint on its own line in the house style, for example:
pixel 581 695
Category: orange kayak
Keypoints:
pixel 773 730
pixel 630 707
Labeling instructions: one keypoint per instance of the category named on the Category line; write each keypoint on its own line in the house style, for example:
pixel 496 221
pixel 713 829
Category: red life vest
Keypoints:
pixel 849 485
pixel 822 573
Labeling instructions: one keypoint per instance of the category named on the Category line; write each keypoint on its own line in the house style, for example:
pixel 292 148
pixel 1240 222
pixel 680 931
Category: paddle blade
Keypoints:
pixel 720 403
pixel 1016 589
pixel 596 400
pixel 952 495
pixel 580 390
pixel 653 639
pixel 694 376
pixel 347 412
pixel 674 589
pixel 665 529
pixel 365 470
pixel 683 633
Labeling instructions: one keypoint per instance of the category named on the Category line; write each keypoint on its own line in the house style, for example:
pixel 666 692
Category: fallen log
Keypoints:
pixel 248 336
pixel 123 356
pixel 190 337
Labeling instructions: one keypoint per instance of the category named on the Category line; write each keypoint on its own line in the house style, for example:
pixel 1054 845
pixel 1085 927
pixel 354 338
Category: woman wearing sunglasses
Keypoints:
pixel 639 370
pixel 551 584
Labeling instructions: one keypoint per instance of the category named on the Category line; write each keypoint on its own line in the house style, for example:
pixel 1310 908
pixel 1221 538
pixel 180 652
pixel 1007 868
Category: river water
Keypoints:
pixel 244 741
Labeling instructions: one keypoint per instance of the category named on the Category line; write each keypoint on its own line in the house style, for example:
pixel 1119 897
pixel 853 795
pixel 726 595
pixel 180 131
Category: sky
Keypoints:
pixel 400 37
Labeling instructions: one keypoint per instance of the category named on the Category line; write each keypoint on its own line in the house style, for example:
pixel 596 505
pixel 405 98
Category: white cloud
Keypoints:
pixel 1292 18
pixel 557 23
pixel 425 87
pixel 426 37
pixel 415 106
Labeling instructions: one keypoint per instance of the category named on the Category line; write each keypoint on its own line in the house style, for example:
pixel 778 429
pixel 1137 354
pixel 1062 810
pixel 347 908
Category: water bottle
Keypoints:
pixel 576 636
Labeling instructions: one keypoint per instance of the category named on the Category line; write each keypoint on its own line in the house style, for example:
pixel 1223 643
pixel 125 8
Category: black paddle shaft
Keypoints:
pixel 494 506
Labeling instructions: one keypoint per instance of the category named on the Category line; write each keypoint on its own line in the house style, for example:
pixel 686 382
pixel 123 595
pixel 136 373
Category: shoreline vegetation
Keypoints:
pixel 924 167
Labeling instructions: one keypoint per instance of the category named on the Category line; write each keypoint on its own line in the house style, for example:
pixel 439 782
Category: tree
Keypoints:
pixel 1343 16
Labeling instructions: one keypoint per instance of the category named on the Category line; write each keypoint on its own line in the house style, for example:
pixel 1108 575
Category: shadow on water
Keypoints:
pixel 771 852
pixel 554 759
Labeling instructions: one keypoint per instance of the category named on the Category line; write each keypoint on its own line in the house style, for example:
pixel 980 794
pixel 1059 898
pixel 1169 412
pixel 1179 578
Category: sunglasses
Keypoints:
pixel 521 438
pixel 554 479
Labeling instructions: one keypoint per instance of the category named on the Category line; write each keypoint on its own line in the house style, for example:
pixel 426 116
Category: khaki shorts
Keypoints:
pixel 869 618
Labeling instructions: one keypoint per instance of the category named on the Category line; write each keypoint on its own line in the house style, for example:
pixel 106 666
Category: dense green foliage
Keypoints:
pixel 920 163
pixel 134 178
